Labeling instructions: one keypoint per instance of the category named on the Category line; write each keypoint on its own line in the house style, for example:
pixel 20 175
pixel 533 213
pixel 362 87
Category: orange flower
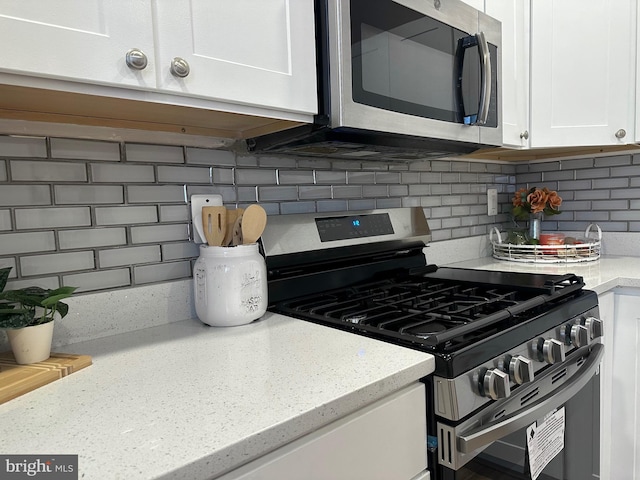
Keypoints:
pixel 554 200
pixel 538 200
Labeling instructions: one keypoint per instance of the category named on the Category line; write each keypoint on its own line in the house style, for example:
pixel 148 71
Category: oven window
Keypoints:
pixel 406 62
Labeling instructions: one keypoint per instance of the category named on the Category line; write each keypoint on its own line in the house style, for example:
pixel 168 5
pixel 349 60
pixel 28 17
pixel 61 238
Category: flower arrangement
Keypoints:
pixel 535 200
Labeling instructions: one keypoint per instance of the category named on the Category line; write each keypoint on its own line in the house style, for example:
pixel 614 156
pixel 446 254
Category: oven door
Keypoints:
pixel 416 68
pixel 492 444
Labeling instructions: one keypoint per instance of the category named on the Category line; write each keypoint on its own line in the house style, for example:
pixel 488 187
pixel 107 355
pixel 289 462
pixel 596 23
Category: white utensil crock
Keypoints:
pixel 230 285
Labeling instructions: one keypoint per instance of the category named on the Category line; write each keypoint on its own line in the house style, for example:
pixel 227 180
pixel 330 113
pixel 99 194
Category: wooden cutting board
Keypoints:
pixel 16 380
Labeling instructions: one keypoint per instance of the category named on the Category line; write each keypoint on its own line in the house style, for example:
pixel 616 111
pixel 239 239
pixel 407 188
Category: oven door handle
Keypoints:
pixel 497 429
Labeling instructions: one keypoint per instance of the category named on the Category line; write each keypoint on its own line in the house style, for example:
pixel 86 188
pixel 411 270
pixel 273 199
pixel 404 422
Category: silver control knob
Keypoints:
pixel 179 67
pixel 552 351
pixel 496 384
pixel 594 326
pixel 577 335
pixel 136 59
pixel 521 370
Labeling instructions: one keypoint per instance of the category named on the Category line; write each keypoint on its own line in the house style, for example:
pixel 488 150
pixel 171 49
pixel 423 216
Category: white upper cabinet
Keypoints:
pixel 477 4
pixel 255 52
pixel 83 40
pixel 582 72
pixel 515 18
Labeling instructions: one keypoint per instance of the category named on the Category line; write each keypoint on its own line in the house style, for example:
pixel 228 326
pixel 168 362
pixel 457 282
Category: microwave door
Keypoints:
pixel 397 67
pixel 491 29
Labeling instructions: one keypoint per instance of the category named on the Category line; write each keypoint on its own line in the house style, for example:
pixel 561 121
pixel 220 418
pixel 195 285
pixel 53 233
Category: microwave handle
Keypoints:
pixel 479 41
pixel 485 75
pixel 482 436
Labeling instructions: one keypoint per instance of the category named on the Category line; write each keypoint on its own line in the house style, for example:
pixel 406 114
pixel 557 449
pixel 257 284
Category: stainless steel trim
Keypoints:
pixel 485 75
pixel 286 234
pixel 484 435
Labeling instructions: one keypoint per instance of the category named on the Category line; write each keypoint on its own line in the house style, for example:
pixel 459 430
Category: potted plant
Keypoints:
pixel 27 315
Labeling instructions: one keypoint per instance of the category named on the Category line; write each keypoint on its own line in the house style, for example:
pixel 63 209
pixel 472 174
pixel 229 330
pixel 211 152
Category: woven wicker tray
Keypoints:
pixel 586 251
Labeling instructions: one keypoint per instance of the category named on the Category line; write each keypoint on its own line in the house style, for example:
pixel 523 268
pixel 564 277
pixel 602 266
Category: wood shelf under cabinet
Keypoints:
pixel 41 105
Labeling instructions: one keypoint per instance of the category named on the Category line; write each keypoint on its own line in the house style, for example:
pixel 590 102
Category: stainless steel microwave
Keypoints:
pixel 400 76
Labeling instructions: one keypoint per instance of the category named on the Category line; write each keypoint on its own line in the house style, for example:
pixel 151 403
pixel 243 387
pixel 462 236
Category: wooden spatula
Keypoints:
pixel 232 216
pixel 214 223
pixel 254 220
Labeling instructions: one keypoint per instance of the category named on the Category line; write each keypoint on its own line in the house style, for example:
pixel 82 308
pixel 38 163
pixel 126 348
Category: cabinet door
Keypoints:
pixel 582 78
pixel 256 52
pixel 477 4
pixel 84 40
pixel 515 18
pixel 623 442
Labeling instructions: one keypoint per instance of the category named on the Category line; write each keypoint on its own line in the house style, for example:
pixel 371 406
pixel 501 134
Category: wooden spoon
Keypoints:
pixel 214 224
pixel 237 231
pixel 254 220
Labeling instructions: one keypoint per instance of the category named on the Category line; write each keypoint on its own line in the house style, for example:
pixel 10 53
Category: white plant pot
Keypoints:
pixel 31 344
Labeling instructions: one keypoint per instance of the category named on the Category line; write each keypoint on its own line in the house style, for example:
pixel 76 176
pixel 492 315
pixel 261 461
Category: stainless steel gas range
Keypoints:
pixel 512 349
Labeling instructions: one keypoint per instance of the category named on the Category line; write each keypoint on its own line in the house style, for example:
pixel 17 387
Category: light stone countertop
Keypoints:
pixel 601 275
pixel 188 401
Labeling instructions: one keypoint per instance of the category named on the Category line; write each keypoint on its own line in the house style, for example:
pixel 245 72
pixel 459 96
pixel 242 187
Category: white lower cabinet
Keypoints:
pixel 620 425
pixel 385 440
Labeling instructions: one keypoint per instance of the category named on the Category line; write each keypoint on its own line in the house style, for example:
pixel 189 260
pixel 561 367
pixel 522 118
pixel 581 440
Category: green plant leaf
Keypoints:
pixel 62 309
pixel 68 291
pixel 4 276
pixel 19 320
pixel 49 301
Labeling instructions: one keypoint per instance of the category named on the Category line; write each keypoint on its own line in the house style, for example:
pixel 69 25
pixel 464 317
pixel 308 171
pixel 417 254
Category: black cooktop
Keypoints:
pixel 459 315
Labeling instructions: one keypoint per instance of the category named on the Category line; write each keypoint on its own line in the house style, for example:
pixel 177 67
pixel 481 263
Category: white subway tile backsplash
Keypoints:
pixel 153 153
pixel 627 193
pixel 5 220
pixel 205 156
pixel 417 190
pixel 377 190
pixel 228 193
pixel 32 218
pixel 118 257
pixel 91 237
pixel 177 251
pixel 162 272
pixel 16 146
pixel 277 162
pixel 159 233
pixel 56 262
pixel 121 173
pixel 593 173
pixel 43 171
pixel 612 161
pixel 3 171
pixel 314 163
pixel 124 215
pixel 85 149
pixel 174 213
pixel 91 281
pixel 24 195
pixel 16 243
pixel 168 174
pixel 155 194
pixel 88 194
pixel 247 194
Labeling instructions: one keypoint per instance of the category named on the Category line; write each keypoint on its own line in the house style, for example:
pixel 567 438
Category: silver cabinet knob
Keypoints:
pixel 594 327
pixel 577 335
pixel 179 67
pixel 621 133
pixel 552 351
pixel 525 135
pixel 136 59
pixel 521 369
pixel 496 384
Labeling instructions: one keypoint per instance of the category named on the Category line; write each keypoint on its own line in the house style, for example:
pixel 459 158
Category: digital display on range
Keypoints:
pixel 353 226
